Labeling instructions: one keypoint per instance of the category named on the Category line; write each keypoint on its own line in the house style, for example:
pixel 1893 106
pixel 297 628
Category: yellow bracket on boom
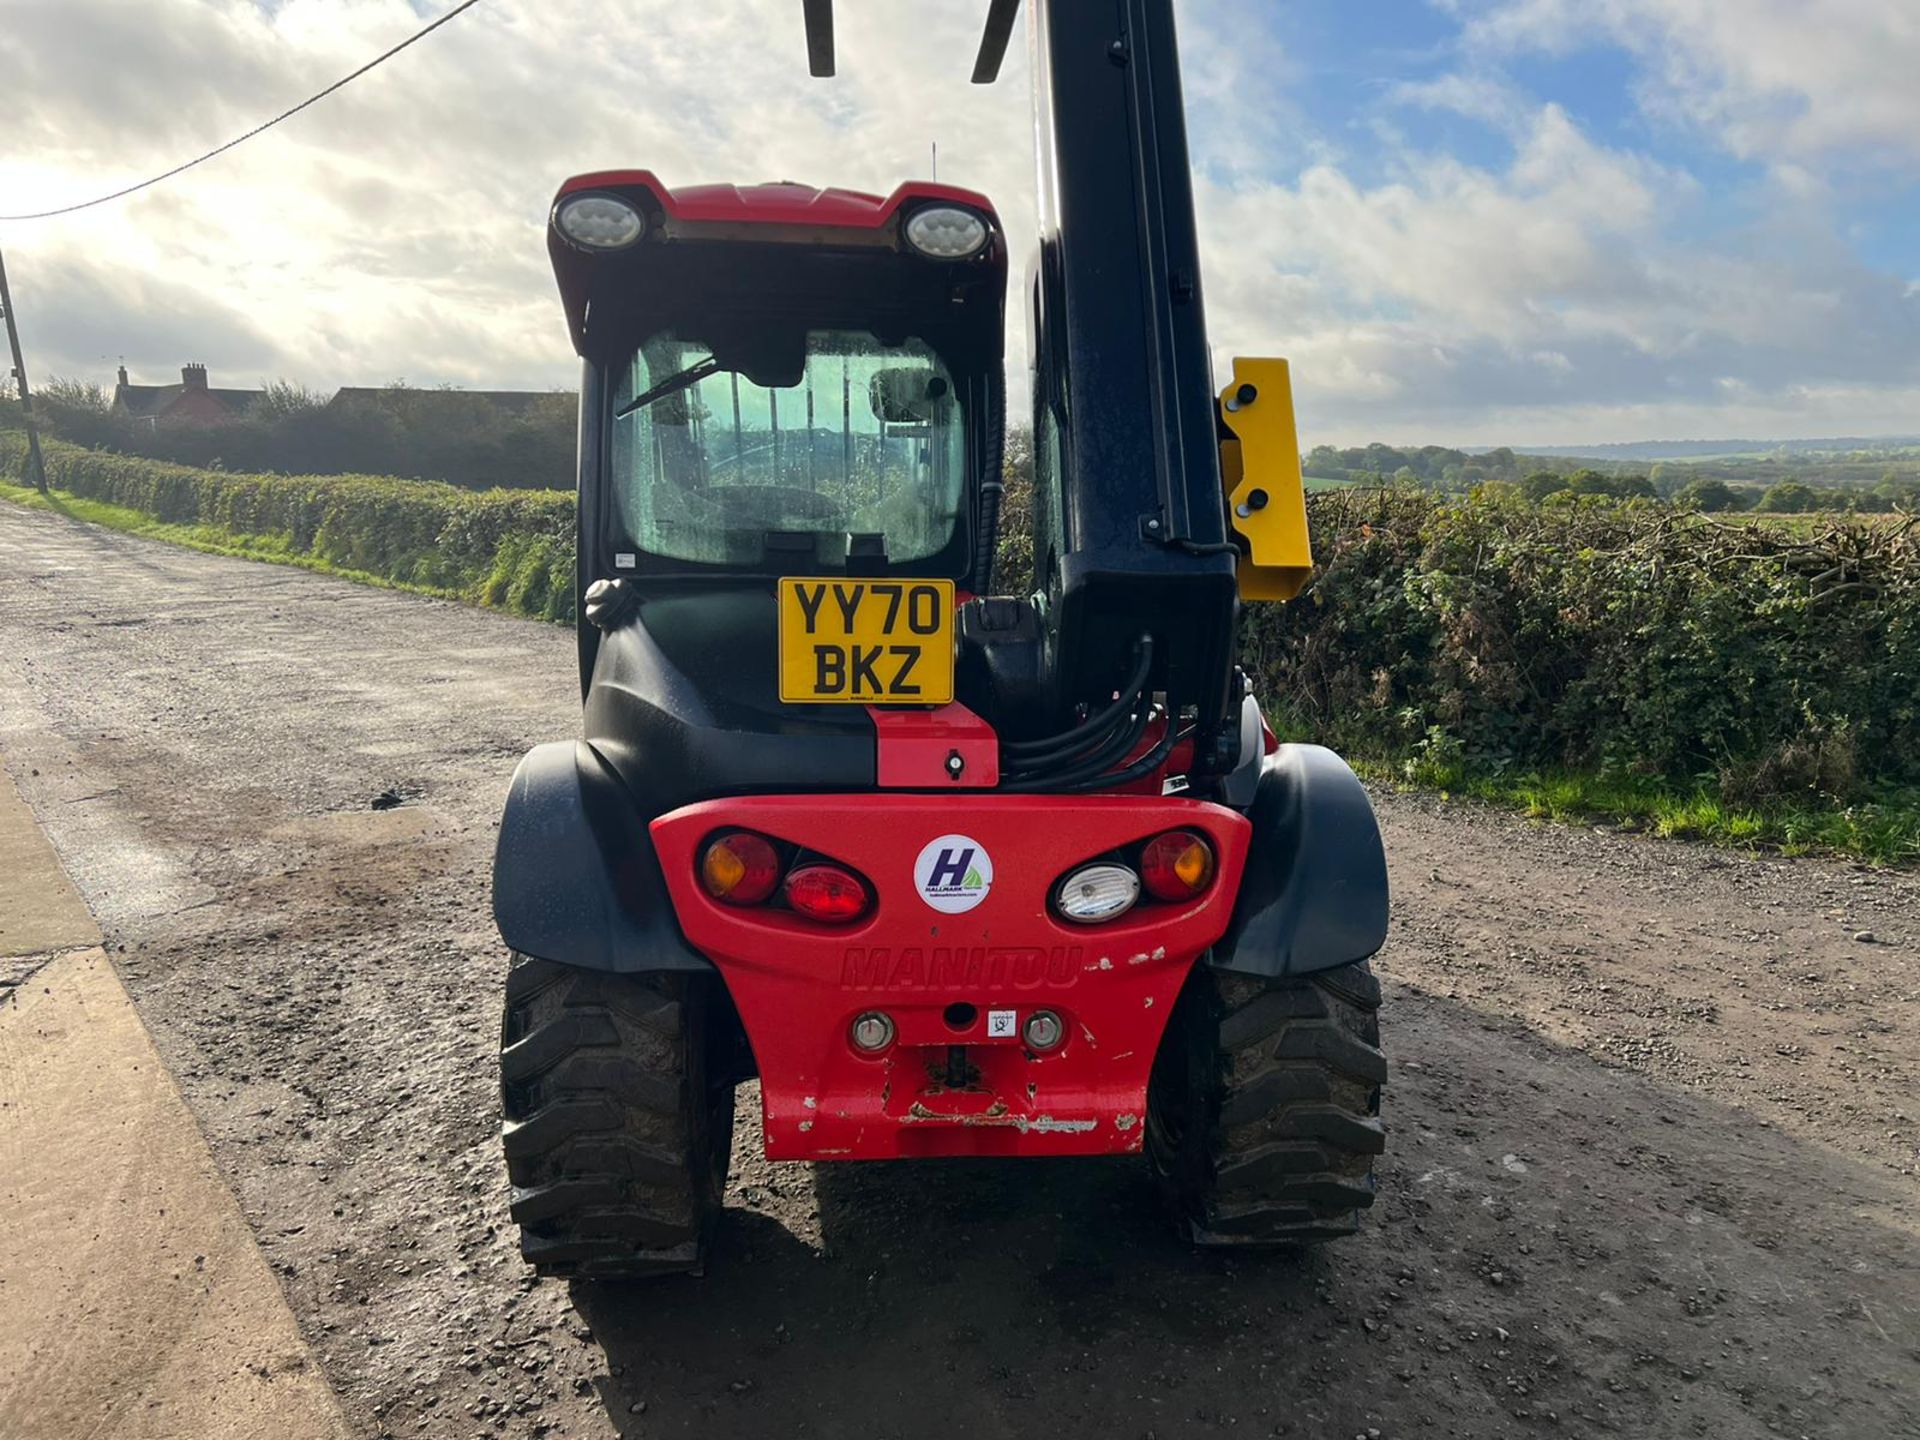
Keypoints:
pixel 1266 495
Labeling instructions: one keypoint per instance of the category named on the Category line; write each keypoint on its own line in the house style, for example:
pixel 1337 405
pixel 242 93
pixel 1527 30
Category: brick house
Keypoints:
pixel 193 400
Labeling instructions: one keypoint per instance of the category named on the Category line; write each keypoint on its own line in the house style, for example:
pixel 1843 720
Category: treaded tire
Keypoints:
pixel 617 1133
pixel 1263 1114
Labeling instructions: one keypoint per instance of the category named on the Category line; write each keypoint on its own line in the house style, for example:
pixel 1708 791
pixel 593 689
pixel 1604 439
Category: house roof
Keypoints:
pixel 144 400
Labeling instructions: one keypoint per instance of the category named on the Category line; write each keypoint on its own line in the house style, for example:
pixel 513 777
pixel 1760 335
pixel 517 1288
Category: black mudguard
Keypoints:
pixel 1315 891
pixel 575 877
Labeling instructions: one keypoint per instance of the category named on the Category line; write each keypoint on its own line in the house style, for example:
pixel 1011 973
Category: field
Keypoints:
pixel 1809 476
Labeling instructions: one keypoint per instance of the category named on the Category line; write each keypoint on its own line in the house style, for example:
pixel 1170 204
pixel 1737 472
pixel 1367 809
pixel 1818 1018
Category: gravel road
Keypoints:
pixel 1654 1109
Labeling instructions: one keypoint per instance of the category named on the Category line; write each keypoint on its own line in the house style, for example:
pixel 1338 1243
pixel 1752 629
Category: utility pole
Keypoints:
pixel 36 464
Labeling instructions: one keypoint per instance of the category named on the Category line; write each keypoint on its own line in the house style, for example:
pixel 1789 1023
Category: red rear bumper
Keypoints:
pixel 799 986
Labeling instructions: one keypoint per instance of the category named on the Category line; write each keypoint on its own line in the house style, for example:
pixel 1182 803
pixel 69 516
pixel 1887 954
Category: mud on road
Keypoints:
pixel 1654 1109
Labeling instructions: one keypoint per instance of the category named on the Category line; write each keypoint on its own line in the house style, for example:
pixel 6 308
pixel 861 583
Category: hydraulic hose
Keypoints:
pixel 1094 767
pixel 1073 750
pixel 1119 739
pixel 1025 753
pixel 1139 769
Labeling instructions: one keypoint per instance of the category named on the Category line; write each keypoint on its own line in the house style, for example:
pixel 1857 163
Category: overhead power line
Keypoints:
pixel 340 84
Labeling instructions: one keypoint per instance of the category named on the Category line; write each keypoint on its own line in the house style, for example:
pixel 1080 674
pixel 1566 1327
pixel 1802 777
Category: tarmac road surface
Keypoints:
pixel 1654 1108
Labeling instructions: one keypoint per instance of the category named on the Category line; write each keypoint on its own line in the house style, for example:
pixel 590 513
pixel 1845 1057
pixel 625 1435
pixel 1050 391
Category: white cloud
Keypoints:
pixel 1773 79
pixel 1552 297
pixel 398 229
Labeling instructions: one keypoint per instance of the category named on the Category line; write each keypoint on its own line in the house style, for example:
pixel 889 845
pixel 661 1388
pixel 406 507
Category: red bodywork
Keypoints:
pixel 799 985
pixel 781 203
pixel 916 749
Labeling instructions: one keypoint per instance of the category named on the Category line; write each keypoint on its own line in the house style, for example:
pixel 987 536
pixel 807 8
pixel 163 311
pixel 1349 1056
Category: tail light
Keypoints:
pixel 1176 866
pixel 1094 893
pixel 740 867
pixel 828 893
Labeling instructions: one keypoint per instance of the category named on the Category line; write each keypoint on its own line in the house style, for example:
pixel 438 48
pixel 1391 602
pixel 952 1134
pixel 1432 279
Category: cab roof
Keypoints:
pixel 832 220
pixel 779 202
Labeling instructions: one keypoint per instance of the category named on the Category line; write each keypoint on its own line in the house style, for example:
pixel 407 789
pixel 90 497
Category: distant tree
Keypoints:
pixel 1898 492
pixel 1542 483
pixel 1789 497
pixel 76 410
pixel 1324 460
pixel 1501 463
pixel 282 400
pixel 1709 496
pixel 74 395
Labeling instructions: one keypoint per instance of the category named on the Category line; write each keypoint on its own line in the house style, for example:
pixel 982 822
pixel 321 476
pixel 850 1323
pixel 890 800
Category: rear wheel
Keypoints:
pixel 1263 1115
pixel 618 1117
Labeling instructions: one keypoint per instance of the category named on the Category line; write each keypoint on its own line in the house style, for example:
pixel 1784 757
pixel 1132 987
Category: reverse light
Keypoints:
pixel 1176 866
pixel 740 868
pixel 1094 893
pixel 828 894
pixel 946 232
pixel 599 222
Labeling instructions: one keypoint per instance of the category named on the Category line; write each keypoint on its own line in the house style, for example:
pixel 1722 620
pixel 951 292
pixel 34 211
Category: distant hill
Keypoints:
pixel 1650 450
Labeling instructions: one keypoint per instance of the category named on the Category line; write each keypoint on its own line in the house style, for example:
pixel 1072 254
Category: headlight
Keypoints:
pixel 946 232
pixel 599 222
pixel 1097 892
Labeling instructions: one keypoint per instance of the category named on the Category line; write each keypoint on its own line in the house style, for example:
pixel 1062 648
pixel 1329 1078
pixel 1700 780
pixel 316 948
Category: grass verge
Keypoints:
pixel 275 549
pixel 1884 830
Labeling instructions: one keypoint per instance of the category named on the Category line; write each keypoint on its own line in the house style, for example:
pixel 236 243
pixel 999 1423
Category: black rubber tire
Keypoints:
pixel 617 1129
pixel 1263 1114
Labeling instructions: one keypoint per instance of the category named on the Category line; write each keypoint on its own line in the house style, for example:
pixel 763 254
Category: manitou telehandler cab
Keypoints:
pixel 953 863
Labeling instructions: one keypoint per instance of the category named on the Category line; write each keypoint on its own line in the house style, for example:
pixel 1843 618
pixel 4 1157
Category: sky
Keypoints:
pixel 1463 221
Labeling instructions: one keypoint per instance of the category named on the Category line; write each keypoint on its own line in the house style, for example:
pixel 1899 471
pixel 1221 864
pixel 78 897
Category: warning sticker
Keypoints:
pixel 1000 1024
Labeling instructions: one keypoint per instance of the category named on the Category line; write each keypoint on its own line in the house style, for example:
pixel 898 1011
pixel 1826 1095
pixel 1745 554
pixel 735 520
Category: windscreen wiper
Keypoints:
pixel 681 380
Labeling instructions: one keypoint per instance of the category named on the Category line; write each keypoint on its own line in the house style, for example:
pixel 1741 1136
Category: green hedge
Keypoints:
pixel 1774 660
pixel 512 549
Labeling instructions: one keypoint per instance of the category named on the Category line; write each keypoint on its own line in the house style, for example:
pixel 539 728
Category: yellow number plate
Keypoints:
pixel 866 642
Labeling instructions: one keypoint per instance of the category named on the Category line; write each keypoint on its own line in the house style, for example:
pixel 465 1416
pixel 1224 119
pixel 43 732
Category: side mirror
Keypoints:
pixel 907 395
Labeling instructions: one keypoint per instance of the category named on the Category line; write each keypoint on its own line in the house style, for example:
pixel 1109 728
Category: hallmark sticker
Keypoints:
pixel 1000 1024
pixel 953 874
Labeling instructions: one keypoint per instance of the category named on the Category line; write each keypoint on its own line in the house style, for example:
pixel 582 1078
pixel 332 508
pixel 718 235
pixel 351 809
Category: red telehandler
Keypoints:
pixel 952 863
